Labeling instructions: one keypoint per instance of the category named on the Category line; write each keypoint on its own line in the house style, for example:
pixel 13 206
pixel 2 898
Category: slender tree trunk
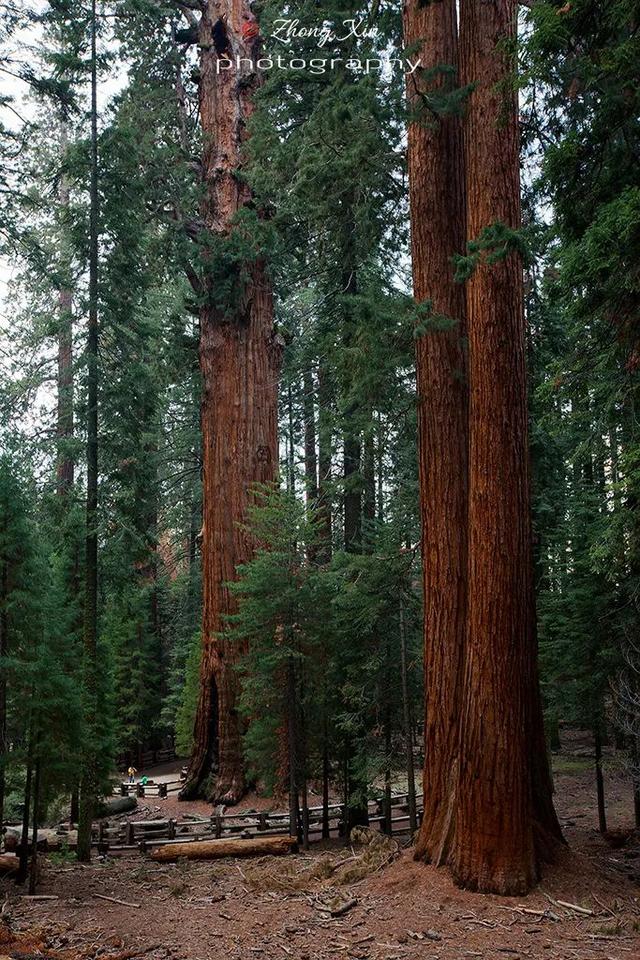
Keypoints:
pixel 88 782
pixel 369 479
pixel 239 360
pixel 24 836
pixel 294 810
pixel 310 456
pixel 352 489
pixel 635 779
pixel 74 806
pixel 325 772
pixel 291 444
pixel 310 453
pixel 64 427
pixel 33 869
pixel 304 781
pixel 324 464
pixel 437 233
pixel 386 694
pixel 380 470
pixel 505 820
pixel 355 788
pixel 408 723
pixel 602 807
pixel 352 445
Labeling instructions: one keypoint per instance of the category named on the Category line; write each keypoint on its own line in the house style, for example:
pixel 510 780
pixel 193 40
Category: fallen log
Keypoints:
pixel 48 839
pixel 113 805
pixel 9 864
pixel 215 849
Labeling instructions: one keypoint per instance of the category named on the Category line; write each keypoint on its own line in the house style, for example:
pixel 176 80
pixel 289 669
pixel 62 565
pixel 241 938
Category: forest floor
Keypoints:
pixel 281 907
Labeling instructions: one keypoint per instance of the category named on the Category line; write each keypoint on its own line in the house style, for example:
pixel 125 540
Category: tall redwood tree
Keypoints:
pixel 239 361
pixel 505 821
pixel 488 807
pixel 437 234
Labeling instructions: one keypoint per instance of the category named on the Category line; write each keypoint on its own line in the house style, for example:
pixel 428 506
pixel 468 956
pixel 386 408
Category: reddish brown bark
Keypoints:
pixel 239 361
pixel 496 845
pixel 437 233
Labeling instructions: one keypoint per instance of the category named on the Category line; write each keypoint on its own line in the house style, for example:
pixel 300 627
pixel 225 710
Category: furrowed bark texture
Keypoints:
pixel 487 788
pixel 437 233
pixel 239 362
pixel 495 845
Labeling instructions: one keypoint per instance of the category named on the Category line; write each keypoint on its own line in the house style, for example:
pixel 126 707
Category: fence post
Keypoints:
pixel 130 841
pixel 218 827
pixel 342 825
pixel 172 829
pixel 262 821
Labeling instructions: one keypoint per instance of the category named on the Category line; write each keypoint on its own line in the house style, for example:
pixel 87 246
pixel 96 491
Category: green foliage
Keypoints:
pixel 585 323
pixel 37 666
pixel 494 243
pixel 338 627
pixel 186 712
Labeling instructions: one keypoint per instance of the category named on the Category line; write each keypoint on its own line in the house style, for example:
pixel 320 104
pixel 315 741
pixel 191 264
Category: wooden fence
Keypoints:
pixel 148 789
pixel 142 834
pixel 146 759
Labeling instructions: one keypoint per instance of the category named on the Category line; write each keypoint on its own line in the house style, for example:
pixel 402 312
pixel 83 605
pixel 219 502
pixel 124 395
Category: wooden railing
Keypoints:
pixel 149 758
pixel 150 833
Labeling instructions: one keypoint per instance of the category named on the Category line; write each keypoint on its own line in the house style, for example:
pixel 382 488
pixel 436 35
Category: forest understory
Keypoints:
pixel 587 907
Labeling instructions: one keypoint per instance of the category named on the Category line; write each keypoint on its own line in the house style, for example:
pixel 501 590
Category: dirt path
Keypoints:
pixel 278 908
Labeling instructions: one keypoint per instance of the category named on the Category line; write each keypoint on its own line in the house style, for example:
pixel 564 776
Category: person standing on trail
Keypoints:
pixel 132 774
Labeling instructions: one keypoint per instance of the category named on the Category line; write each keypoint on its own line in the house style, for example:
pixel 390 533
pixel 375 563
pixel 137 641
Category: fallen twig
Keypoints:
pixel 123 903
pixel 574 906
pixel 39 896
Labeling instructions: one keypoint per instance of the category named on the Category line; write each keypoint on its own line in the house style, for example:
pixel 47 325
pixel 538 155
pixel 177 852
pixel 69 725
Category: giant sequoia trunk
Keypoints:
pixel 437 233
pixel 239 361
pixel 504 817
pixel 488 809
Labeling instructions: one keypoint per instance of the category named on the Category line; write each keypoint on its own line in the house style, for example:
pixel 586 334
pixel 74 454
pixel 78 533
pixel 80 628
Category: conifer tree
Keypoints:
pixel 436 177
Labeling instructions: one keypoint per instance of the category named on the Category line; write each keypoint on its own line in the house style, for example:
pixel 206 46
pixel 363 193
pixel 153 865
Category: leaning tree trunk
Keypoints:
pixel 502 792
pixel 437 233
pixel 239 362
